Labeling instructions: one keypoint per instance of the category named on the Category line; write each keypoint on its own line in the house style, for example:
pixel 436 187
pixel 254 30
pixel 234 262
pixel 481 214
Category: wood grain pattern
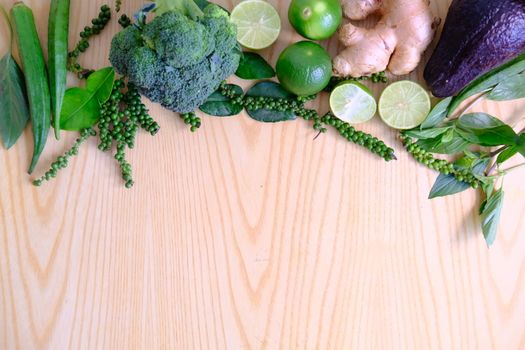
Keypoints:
pixel 250 236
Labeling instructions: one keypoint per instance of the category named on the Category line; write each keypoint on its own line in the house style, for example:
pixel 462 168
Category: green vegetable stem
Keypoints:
pixel 58 32
pixel 35 75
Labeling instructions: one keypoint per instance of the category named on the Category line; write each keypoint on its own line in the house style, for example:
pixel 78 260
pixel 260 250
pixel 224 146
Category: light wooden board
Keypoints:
pixel 250 236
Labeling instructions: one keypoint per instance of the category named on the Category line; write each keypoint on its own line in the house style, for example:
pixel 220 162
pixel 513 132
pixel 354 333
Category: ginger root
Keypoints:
pixel 404 31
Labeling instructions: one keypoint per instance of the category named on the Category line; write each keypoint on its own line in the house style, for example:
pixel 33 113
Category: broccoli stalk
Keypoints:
pixel 186 7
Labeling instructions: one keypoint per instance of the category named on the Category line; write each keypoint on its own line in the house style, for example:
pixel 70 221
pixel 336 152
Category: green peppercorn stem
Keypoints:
pixel 63 161
pixel 98 24
pixel 440 165
pixel 296 106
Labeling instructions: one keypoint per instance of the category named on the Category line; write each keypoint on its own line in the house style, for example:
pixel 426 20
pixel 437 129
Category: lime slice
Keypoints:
pixel 258 24
pixel 353 103
pixel 404 105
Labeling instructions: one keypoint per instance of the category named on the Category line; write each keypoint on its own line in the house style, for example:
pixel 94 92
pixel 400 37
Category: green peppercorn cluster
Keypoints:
pixel 63 161
pixel 372 143
pixel 192 120
pixel 121 117
pixel 442 166
pixel 98 24
pixel 296 106
pixel 124 21
pixel 118 5
pixel 375 78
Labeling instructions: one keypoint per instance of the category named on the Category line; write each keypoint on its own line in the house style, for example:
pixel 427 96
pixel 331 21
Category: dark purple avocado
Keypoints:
pixel 478 36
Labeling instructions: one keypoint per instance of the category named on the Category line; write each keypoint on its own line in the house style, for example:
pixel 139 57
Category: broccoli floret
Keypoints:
pixel 179 58
pixel 122 44
pixel 179 40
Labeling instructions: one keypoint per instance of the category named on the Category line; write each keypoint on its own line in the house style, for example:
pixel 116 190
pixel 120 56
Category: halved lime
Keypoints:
pixel 258 24
pixel 404 105
pixel 353 103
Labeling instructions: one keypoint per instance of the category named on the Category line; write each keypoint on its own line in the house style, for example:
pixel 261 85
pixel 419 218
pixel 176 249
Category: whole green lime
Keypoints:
pixel 304 68
pixel 315 20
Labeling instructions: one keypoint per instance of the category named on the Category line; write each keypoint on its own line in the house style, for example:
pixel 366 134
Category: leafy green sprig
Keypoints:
pixel 98 24
pixel 469 138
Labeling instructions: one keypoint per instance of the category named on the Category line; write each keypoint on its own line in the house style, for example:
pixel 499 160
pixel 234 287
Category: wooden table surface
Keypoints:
pixel 250 236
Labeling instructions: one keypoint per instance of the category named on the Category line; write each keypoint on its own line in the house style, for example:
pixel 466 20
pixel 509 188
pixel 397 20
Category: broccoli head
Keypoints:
pixel 178 59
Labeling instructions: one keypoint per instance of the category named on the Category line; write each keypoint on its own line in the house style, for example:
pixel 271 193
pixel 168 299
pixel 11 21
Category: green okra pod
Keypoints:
pixel 36 77
pixel 57 34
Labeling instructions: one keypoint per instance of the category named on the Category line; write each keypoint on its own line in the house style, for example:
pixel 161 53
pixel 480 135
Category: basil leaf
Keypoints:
pixel 446 185
pixel 507 154
pixel 478 121
pixel 456 145
pixel 485 130
pixel 448 136
pixel 437 114
pixel 427 133
pixel 14 112
pixel 219 105
pixel 270 89
pixel 510 89
pixel 521 143
pixel 488 80
pixel 80 110
pixel 253 67
pixel 490 215
pixel 100 83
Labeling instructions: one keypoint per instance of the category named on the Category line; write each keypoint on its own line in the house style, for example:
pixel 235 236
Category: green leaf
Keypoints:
pixel 478 121
pixel 446 185
pixel 219 105
pixel 490 215
pixel 427 133
pixel 202 3
pixel 270 89
pixel 456 145
pixel 448 136
pixel 507 154
pixel 437 114
pixel 100 83
pixel 510 89
pixel 253 67
pixel 80 110
pixel 81 107
pixel 186 7
pixel 486 130
pixel 14 112
pixel 488 81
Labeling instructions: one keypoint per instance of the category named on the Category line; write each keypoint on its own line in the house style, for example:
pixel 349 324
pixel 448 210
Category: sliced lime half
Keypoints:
pixel 353 103
pixel 258 24
pixel 404 105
